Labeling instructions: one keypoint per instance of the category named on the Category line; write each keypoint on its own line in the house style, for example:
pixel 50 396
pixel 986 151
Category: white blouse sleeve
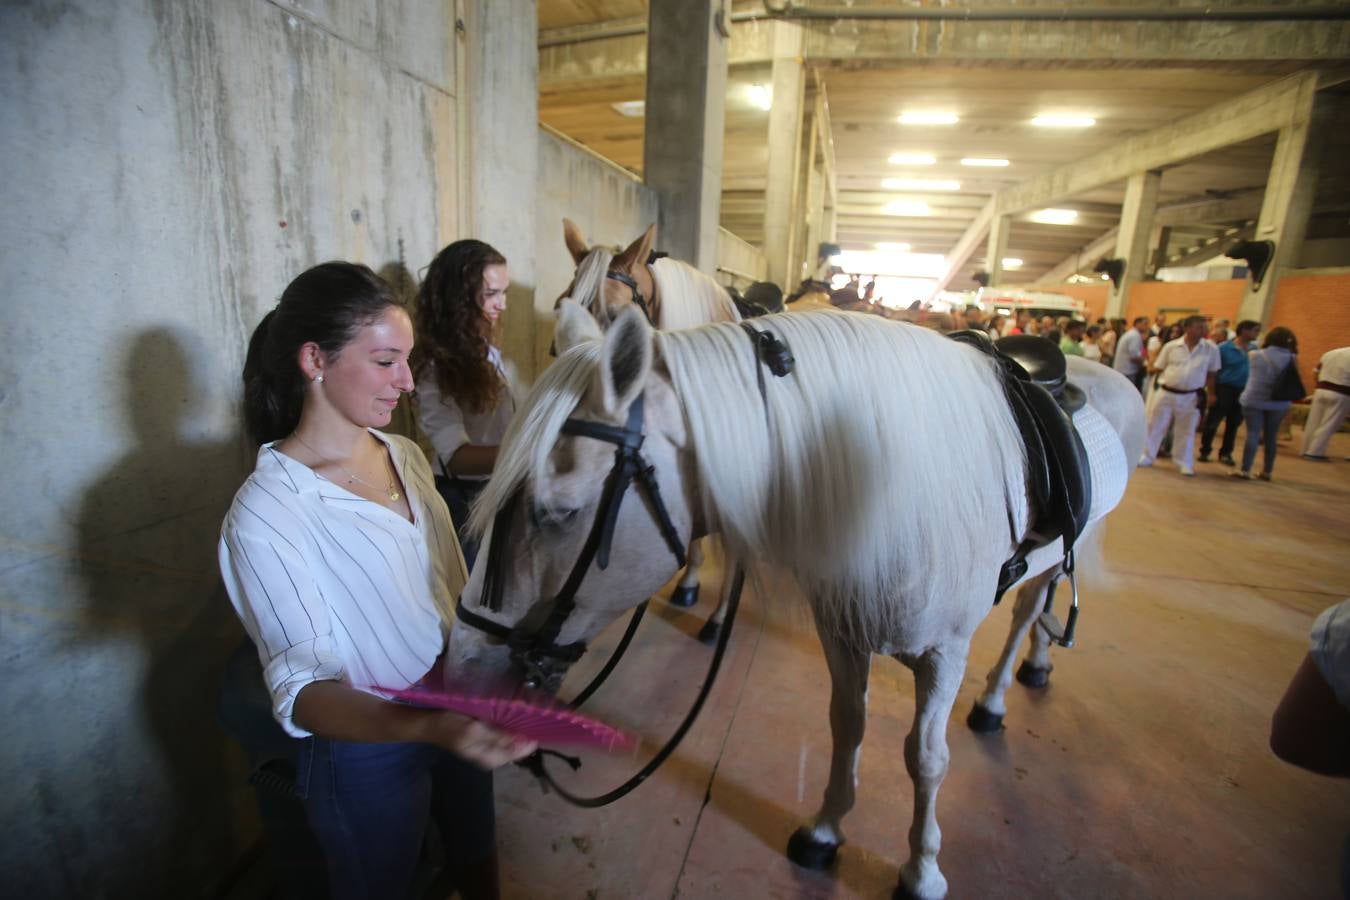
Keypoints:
pixel 270 585
pixel 442 419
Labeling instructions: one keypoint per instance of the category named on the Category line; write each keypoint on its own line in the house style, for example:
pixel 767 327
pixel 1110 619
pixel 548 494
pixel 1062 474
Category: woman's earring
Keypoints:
pixel 318 379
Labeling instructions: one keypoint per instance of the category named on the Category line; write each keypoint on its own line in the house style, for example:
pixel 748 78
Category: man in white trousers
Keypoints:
pixel 1185 367
pixel 1330 403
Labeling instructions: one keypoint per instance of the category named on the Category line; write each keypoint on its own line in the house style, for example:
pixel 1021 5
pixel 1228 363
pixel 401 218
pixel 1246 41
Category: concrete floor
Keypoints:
pixel 1142 771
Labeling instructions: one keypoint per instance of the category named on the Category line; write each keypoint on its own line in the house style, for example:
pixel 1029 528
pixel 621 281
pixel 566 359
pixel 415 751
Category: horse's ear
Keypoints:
pixel 575 326
pixel 637 252
pixel 575 241
pixel 625 361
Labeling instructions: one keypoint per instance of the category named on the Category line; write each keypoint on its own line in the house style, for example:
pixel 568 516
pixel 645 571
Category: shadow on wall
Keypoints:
pixel 169 797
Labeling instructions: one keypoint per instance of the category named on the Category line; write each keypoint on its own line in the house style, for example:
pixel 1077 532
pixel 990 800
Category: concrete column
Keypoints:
pixel 1160 248
pixel 1287 204
pixel 1132 240
pixel 499 136
pixel 785 128
pixel 997 248
pixel 682 150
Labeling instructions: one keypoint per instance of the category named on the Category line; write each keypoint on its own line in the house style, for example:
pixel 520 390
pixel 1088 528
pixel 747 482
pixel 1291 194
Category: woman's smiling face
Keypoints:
pixel 367 377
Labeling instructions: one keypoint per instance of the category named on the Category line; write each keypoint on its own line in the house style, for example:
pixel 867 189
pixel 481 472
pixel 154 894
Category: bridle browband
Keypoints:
pixel 531 650
pixel 638 300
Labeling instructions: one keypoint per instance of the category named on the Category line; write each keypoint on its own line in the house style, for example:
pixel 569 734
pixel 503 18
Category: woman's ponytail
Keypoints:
pixel 326 305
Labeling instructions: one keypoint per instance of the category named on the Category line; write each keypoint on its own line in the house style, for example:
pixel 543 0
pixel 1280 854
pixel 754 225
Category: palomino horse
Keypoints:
pixel 673 295
pixel 839 473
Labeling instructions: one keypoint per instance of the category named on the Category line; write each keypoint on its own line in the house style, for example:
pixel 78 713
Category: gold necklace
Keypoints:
pixel 391 489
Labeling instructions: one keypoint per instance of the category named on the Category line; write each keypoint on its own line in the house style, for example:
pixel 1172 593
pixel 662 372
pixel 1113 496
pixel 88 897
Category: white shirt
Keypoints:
pixel 1335 367
pixel 449 427
pixel 331 586
pixel 1129 350
pixel 1184 369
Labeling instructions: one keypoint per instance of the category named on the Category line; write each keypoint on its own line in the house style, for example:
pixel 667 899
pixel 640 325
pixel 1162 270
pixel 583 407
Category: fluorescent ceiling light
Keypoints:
pixel 893 247
pixel 911 159
pixel 920 184
pixel 1055 216
pixel 1064 121
pixel 982 161
pixel 760 95
pixel 1012 262
pixel 630 108
pixel 928 118
pixel 906 208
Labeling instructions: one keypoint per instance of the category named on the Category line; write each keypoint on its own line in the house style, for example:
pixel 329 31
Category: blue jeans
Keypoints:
pixel 1263 426
pixel 369 805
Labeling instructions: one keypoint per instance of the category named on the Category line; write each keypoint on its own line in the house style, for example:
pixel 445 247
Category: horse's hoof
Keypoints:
pixel 709 633
pixel 684 596
pixel 1033 676
pixel 903 893
pixel 982 721
pixel 809 853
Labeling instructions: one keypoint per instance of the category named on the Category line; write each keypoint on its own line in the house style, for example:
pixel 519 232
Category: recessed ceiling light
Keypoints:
pixel 928 118
pixel 906 208
pixel 761 95
pixel 911 159
pixel 1012 262
pixel 1055 216
pixel 1064 121
pixel 893 247
pixel 920 184
pixel 630 108
pixel 982 161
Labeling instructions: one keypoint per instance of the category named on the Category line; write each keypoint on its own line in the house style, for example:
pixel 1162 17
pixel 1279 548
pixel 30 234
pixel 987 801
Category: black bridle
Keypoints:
pixel 533 650
pixel 638 300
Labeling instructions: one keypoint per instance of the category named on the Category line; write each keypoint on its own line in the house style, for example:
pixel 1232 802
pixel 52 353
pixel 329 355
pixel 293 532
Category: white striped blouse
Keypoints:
pixel 331 586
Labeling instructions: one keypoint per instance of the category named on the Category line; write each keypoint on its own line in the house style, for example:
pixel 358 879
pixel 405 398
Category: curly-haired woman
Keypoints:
pixel 462 396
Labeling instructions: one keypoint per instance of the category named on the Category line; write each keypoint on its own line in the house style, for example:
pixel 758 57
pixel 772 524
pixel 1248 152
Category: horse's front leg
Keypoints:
pixel 937 677
pixel 986 716
pixel 686 592
pixel 816 844
pixel 712 629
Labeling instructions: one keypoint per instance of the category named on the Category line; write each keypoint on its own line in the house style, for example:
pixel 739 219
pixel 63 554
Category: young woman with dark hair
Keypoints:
pixel 1261 413
pixel 338 556
pixel 463 399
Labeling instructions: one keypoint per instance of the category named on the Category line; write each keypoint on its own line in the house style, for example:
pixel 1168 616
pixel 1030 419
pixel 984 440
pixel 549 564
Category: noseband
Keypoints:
pixel 531 650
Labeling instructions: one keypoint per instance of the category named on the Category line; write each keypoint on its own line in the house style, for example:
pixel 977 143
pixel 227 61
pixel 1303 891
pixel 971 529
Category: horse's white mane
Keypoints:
pixel 525 449
pixel 690 298
pixel 884 451
pixel 587 288
pixel 881 454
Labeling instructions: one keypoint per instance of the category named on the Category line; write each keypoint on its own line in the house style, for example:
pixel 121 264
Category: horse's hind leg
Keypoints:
pixel 686 592
pixel 814 845
pixel 987 714
pixel 937 677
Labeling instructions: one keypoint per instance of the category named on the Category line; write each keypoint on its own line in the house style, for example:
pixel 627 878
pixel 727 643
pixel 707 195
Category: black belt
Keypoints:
pixel 1179 391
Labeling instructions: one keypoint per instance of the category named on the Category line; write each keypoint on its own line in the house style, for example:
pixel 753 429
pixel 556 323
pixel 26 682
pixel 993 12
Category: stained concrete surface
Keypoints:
pixel 1141 771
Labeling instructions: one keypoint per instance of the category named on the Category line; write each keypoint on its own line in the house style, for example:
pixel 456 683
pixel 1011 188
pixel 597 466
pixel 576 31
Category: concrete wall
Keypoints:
pixel 739 263
pixel 610 204
pixel 170 166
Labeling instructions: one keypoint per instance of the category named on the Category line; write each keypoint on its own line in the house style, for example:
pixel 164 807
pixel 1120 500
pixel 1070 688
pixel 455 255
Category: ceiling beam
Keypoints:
pixel 1025 36
pixel 1267 108
pixel 1212 250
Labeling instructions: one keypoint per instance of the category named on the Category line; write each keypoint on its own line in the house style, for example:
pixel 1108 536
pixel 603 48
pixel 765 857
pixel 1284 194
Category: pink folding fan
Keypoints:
pixel 549 725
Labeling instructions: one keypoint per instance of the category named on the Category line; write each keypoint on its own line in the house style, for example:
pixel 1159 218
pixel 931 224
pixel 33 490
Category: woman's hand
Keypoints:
pixel 477 742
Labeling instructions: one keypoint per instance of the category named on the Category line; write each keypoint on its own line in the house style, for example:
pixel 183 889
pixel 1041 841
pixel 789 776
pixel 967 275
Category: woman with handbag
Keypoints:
pixel 463 399
pixel 1272 385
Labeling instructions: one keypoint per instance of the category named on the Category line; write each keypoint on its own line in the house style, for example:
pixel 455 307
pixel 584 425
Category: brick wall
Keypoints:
pixel 1216 299
pixel 1317 309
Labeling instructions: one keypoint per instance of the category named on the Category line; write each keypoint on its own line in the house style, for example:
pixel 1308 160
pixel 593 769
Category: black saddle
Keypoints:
pixel 1058 475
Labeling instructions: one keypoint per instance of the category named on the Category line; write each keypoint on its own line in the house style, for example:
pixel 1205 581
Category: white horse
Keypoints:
pixel 840 473
pixel 674 295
